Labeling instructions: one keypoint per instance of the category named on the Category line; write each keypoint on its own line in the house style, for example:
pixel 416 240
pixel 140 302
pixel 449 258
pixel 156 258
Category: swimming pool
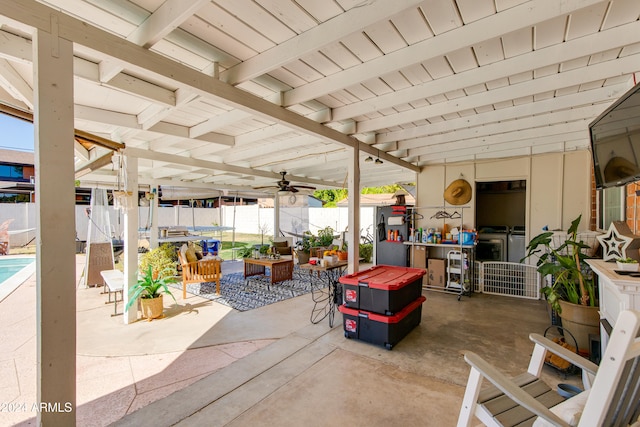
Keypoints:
pixel 13 272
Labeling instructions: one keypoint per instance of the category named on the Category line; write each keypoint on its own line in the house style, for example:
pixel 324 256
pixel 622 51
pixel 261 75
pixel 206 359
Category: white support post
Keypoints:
pixel 55 228
pixel 130 236
pixel 353 186
pixel 276 216
pixel 153 232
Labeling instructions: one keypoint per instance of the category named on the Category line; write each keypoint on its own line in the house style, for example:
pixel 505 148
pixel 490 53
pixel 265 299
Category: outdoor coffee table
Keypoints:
pixel 281 269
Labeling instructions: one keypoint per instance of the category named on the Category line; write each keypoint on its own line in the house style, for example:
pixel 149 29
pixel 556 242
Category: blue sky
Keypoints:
pixel 15 134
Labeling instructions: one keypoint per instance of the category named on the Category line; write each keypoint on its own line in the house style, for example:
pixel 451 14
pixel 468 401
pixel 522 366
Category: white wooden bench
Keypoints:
pixel 114 282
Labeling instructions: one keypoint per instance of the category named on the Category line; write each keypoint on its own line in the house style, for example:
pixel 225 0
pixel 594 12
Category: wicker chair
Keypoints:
pixel 204 270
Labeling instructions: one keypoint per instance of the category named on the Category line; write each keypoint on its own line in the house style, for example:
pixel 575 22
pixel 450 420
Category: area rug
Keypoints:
pixel 244 294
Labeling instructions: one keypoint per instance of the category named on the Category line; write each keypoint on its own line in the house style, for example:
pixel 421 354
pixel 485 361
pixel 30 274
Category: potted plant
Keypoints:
pixel 627 264
pixel 311 243
pixel 303 247
pixel 149 288
pixel 571 291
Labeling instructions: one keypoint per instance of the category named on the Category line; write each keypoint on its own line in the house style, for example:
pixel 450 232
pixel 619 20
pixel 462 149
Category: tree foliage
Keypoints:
pixel 333 196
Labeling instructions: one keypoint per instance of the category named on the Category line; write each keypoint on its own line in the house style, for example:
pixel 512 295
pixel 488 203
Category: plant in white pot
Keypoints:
pixel 627 264
pixel 149 288
pixel 571 292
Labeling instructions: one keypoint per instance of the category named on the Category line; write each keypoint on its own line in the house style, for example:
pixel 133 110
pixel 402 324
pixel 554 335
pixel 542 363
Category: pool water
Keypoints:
pixel 10 266
pixel 13 272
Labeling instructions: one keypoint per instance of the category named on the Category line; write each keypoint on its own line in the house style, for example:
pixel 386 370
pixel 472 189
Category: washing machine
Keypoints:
pixel 517 244
pixel 493 243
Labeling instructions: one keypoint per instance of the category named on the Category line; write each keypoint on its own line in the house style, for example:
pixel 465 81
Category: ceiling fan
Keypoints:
pixel 284 185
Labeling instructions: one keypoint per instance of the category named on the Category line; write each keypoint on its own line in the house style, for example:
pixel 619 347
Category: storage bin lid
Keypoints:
pixel 381 317
pixel 384 277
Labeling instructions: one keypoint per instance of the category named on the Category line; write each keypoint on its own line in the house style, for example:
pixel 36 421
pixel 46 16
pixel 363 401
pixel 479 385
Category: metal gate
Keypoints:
pixel 509 279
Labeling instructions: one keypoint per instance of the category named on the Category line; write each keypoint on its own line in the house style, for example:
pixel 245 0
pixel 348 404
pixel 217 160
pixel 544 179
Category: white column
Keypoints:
pixel 153 232
pixel 55 228
pixel 130 236
pixel 353 187
pixel 276 216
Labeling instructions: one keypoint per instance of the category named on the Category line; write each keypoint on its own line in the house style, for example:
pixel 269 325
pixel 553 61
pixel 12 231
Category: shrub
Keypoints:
pixel 366 251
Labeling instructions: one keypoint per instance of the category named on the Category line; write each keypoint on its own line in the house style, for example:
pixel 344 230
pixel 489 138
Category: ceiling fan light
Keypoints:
pixel 369 159
pixel 379 162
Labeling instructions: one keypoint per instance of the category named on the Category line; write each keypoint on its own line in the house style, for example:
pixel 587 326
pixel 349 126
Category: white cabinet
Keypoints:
pixel 616 293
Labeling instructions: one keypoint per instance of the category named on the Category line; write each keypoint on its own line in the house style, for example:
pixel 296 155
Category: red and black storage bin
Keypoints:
pixel 383 289
pixel 379 329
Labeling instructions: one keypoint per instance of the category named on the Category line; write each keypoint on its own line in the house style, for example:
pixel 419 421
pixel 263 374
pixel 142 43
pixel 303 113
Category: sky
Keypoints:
pixel 15 134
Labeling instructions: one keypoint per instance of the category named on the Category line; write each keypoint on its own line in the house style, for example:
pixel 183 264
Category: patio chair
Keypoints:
pixel 199 271
pixel 612 396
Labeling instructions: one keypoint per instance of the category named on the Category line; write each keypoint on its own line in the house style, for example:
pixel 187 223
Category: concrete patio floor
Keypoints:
pixel 207 364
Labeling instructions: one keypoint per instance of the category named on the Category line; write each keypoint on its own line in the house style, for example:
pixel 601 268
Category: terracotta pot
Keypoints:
pixel 152 308
pixel 343 255
pixel 581 321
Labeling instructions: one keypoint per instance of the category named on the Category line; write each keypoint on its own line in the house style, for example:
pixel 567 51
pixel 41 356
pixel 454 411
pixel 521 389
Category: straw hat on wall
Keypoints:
pixel 458 192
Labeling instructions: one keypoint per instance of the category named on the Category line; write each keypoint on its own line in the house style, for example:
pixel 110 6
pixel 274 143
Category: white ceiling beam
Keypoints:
pixel 130 121
pixel 575 77
pixel 451 148
pixel 526 124
pixel 108 70
pixel 219 121
pixel 149 91
pixel 191 162
pixel 80 151
pixel 410 138
pixel 314 39
pixel 169 16
pixel 143 61
pixel 14 84
pixel 266 150
pixel 15 48
pixel 512 19
pixel 613 38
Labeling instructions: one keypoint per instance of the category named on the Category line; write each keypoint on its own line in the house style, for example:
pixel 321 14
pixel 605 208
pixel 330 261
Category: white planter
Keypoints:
pixel 627 266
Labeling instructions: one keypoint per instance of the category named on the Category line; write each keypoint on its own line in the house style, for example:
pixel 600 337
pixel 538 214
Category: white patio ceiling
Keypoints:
pixel 225 94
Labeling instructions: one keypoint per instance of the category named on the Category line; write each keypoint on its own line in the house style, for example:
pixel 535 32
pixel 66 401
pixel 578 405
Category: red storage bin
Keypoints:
pixel 379 329
pixel 384 289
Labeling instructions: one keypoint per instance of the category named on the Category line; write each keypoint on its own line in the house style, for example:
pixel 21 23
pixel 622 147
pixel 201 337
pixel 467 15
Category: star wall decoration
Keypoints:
pixel 619 242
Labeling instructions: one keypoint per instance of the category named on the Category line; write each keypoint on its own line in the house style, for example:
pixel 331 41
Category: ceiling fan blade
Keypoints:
pixel 304 186
pixel 267 186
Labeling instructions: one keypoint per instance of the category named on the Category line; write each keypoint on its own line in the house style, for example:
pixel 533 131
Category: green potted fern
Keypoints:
pixel 157 269
pixel 149 288
pixel 572 290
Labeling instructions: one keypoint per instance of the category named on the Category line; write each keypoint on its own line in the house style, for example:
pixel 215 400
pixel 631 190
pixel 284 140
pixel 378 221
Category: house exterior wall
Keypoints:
pixel 559 187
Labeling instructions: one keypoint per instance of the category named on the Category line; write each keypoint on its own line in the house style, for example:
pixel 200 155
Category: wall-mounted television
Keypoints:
pixel 615 141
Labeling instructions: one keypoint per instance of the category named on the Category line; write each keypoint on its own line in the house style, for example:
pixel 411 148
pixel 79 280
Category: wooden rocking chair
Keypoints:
pixel 204 270
pixel 613 389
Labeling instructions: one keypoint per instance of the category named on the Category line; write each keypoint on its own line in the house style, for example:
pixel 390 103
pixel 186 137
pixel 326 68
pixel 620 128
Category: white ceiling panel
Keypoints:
pixel 423 82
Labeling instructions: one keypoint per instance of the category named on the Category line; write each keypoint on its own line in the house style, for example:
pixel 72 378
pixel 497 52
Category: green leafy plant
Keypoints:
pixel 627 260
pixel 572 280
pixel 366 251
pixel 150 285
pixel 325 237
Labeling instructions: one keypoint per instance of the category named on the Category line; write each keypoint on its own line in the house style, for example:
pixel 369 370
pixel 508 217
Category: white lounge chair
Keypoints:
pixel 612 398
